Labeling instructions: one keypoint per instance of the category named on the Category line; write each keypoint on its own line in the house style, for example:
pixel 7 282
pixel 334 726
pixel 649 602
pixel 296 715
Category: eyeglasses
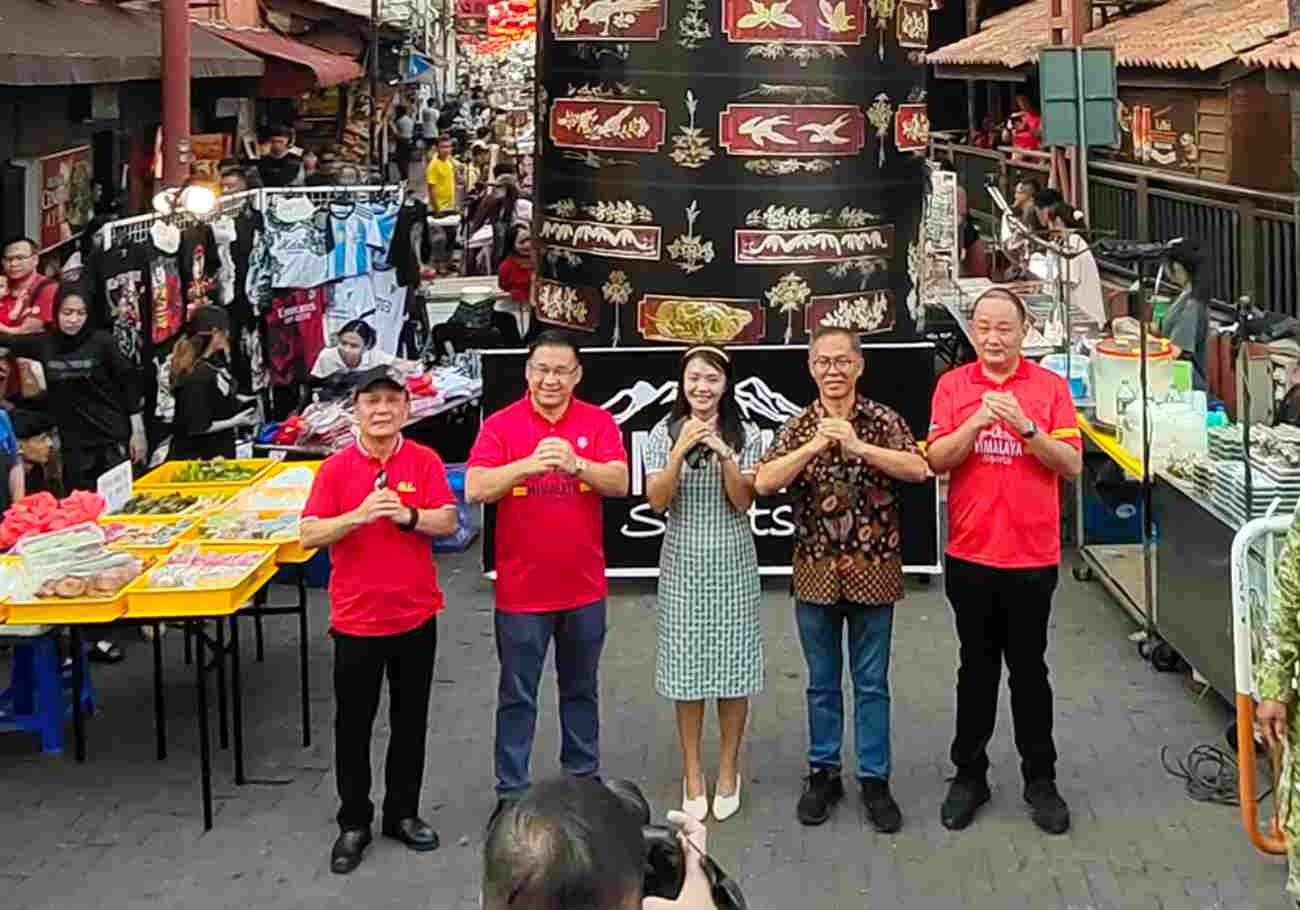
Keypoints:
pixel 19 257
pixel 843 364
pixel 561 373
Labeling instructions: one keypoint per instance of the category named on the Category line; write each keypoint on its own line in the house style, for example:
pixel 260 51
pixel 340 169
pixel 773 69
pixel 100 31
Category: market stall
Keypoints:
pixel 194 543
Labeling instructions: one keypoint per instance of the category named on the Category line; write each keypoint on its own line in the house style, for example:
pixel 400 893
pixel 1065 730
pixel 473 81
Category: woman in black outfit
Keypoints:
pixel 207 403
pixel 91 391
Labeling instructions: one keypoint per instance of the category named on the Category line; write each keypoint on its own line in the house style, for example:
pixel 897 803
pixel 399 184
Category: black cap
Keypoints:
pixel 382 375
pixel 209 319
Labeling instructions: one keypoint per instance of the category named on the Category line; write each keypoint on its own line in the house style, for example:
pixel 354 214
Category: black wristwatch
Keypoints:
pixel 415 519
pixel 1030 431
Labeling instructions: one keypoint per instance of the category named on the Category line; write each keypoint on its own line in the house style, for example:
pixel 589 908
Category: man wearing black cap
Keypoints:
pixel 375 505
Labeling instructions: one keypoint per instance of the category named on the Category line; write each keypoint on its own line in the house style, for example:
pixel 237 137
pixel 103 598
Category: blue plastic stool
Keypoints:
pixel 35 701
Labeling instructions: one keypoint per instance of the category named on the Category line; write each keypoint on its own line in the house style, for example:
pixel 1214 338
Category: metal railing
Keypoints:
pixel 1252 237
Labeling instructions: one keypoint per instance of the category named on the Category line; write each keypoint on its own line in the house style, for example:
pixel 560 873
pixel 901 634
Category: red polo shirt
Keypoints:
pixel 550 552
pixel 1004 507
pixel 18 305
pixel 382 579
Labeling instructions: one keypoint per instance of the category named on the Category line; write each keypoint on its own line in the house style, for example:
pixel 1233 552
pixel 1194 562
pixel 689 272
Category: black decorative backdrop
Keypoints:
pixel 733 171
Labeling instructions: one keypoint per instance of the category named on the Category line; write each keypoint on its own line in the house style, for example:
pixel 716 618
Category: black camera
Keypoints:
pixel 665 863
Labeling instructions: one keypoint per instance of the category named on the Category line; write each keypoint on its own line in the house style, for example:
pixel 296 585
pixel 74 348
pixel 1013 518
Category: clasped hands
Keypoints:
pixel 835 431
pixel 553 454
pixel 1001 406
pixel 699 432
pixel 383 503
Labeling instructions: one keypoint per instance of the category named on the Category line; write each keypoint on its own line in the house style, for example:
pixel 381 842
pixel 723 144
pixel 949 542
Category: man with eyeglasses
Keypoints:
pixel 546 462
pixel 376 504
pixel 841 461
pixel 27 299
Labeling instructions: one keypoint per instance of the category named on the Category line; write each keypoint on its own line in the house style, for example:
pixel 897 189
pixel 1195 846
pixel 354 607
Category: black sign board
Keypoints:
pixel 638 387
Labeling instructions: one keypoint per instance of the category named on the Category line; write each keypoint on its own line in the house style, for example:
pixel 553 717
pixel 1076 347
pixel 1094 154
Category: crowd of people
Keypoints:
pixel 1003 428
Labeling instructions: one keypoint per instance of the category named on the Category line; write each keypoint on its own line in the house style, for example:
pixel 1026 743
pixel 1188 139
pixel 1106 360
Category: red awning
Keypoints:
pixel 292 68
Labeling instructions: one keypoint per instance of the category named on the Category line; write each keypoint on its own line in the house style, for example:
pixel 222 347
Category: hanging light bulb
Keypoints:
pixel 197 199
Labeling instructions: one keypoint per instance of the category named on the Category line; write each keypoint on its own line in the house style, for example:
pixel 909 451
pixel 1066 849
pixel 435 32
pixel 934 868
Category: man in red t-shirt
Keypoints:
pixel 546 462
pixel 1006 430
pixel 376 504
pixel 26 303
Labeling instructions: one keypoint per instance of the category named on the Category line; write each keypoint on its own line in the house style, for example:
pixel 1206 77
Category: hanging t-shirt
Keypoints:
pixel 121 292
pixel 295 334
pixel 388 299
pixel 290 255
pixel 166 300
pixel 354 234
pixel 223 232
pixel 412 243
pixel 199 265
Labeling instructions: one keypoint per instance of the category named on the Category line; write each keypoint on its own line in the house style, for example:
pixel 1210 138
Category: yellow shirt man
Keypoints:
pixel 440 175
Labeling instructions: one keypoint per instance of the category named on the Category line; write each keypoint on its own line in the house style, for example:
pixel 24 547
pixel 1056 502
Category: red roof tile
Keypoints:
pixel 1282 54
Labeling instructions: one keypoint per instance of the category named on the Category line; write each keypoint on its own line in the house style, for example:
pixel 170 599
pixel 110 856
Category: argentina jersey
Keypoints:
pixel 354 235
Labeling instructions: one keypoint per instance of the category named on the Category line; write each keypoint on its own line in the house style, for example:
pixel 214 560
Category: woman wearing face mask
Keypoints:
pixel 354 352
pixel 92 392
pixel 700 464
pixel 208 408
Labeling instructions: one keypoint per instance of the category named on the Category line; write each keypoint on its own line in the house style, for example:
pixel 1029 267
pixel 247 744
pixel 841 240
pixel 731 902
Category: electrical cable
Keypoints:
pixel 1210 775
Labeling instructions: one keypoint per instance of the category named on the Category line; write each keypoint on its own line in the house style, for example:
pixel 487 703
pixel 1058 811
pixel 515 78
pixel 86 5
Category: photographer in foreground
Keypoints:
pixel 576 843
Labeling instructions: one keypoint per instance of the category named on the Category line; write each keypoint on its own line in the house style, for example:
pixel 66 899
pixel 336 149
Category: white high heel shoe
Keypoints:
pixel 726 806
pixel 697 808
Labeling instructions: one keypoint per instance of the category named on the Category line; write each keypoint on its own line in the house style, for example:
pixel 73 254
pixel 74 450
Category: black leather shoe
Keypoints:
pixel 414 832
pixel 882 810
pixel 1046 808
pixel 348 849
pixel 964 799
pixel 822 789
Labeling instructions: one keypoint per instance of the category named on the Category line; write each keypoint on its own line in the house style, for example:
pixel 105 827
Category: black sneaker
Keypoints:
pixel 1046 808
pixel 821 790
pixel 965 796
pixel 882 810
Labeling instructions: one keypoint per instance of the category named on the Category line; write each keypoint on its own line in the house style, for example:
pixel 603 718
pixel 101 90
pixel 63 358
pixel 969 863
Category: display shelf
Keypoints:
pixel 1119 568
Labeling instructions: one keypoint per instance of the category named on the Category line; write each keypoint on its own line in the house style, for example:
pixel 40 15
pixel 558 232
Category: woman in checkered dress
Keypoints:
pixel 700 463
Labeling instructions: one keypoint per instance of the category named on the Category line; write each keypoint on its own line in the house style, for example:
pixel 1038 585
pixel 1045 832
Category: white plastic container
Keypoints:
pixel 1116 373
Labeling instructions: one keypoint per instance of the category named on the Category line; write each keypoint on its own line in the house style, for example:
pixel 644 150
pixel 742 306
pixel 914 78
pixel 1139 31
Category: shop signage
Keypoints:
pixel 833 22
pixel 67 195
pixel 638 387
pixel 792 129
pixel 115 486
pixel 608 20
pixel 817 245
pixel 612 241
pixel 866 312
pixel 620 126
pixel 701 320
pixel 1158 129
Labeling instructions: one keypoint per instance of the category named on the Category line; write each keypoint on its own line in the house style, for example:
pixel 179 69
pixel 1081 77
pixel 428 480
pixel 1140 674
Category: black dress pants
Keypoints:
pixel 360 664
pixel 1002 614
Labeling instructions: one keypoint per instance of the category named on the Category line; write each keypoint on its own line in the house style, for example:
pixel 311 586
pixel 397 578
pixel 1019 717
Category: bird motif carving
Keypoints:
pixel 760 129
pixel 826 133
pixel 602 12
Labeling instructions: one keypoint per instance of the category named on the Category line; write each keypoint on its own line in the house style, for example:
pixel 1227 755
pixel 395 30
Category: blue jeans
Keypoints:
pixel 821 634
pixel 522 642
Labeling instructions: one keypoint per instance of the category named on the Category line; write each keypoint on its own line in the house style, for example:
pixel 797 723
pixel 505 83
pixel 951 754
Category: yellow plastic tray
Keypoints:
pixel 287 552
pixel 197 514
pixel 155 552
pixel 68 611
pixel 168 603
pixel 161 477
pixel 282 466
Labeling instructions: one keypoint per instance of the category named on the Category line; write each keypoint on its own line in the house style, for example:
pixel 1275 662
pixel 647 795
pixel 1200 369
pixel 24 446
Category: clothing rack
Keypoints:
pixel 136 228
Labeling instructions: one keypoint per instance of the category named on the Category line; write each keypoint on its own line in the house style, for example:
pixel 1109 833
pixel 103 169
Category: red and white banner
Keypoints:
pixel 604 125
pixel 792 129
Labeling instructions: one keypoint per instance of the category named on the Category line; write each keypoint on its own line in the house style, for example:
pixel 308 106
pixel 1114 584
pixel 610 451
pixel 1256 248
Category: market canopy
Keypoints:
pixel 292 68
pixel 67 42
pixel 1186 35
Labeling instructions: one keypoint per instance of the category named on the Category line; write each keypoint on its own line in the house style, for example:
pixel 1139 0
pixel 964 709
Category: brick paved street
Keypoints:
pixel 124 831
